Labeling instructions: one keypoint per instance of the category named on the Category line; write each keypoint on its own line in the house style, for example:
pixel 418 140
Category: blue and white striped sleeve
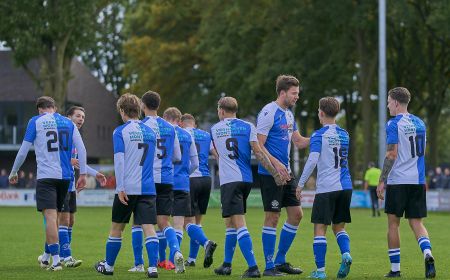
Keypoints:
pixel 119 159
pixel 81 149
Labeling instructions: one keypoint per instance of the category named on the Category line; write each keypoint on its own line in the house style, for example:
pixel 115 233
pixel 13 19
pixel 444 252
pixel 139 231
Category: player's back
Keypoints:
pixel 181 168
pixel 52 135
pixel 231 138
pixel 332 142
pixel 203 145
pixel 409 132
pixel 165 137
pixel 277 124
pixel 137 141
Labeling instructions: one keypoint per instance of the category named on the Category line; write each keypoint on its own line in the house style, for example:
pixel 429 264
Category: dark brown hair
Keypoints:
pixel 72 110
pixel 130 104
pixel 285 82
pixel 151 100
pixel 330 106
pixel 400 94
pixel 45 102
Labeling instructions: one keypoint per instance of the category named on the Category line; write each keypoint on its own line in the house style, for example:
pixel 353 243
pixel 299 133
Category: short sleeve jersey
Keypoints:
pixel 165 138
pixel 52 136
pixel 372 176
pixel 181 170
pixel 332 143
pixel 137 142
pixel 409 132
pixel 203 145
pixel 278 125
pixel 231 138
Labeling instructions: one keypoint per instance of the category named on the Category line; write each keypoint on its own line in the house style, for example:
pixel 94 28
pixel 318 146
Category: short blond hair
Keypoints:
pixel 130 104
pixel 187 117
pixel 172 114
pixel 228 104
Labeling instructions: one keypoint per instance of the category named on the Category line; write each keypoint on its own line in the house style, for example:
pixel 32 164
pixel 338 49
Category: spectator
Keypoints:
pixel 22 181
pixel 438 180
pixel 371 179
pixel 446 181
pixel 31 183
pixel 4 179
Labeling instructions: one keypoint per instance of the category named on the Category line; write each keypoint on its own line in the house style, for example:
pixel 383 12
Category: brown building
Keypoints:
pixel 17 105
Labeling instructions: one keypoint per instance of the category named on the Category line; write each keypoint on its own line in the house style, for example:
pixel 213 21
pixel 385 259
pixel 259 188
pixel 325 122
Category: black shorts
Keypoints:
pixel 233 197
pixel 181 204
pixel 200 190
pixel 164 199
pixel 50 193
pixel 143 208
pixel 332 207
pixel 408 199
pixel 275 197
pixel 70 203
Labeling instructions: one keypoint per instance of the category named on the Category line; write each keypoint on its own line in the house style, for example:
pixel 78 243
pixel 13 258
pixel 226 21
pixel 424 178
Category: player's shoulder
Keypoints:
pixel 341 130
pixel 120 128
pixel 319 132
pixel 268 110
pixel 394 121
pixel 416 119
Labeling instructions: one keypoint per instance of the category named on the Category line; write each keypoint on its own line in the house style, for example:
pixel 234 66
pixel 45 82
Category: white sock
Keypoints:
pixel 395 267
pixel 55 260
pixel 46 257
pixel 191 260
pixel 321 269
pixel 426 252
pixel 109 268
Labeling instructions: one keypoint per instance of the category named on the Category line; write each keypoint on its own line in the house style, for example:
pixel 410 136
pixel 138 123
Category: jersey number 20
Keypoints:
pixel 63 140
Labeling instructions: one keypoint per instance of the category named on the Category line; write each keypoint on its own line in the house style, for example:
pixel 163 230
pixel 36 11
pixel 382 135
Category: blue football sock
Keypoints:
pixel 152 244
pixel 320 250
pixel 162 246
pixel 54 251
pixel 179 234
pixel 64 244
pixel 193 249
pixel 136 241
pixel 112 249
pixel 46 249
pixel 287 236
pixel 343 241
pixel 269 238
pixel 196 233
pixel 69 231
pixel 245 243
pixel 394 257
pixel 425 245
pixel 172 240
pixel 230 245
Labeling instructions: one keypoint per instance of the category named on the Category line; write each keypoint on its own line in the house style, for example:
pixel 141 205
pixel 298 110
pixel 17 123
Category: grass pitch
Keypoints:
pixel 22 236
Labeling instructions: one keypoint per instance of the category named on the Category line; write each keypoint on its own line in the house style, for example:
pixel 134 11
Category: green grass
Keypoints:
pixel 22 236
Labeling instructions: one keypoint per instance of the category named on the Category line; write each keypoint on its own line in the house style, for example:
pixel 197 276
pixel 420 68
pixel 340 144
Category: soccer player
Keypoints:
pixel 182 201
pixel 200 185
pixel 134 150
pixel 66 217
pixel 54 136
pixel 404 171
pixel 234 139
pixel 167 152
pixel 276 129
pixel 371 179
pixel 329 151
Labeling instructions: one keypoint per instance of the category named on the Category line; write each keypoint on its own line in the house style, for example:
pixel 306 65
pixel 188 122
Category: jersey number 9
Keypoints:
pixel 232 146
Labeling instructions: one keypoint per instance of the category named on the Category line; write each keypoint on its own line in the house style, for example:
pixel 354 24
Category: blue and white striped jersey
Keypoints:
pixel 203 145
pixel 182 168
pixel 278 125
pixel 166 143
pixel 231 138
pixel 332 143
pixel 134 151
pixel 409 132
pixel 53 136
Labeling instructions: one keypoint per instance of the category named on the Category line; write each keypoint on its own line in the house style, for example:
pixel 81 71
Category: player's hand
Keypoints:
pixel 279 180
pixel 298 192
pixel 13 178
pixel 123 197
pixel 81 183
pixel 101 179
pixel 75 163
pixel 380 190
pixel 280 168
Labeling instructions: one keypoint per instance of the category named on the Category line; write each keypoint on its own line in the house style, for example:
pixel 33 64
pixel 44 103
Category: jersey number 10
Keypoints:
pixel 417 145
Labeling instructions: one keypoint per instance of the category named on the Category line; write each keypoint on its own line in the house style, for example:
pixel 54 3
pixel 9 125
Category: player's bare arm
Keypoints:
pixel 389 160
pixel 279 167
pixel 299 141
pixel 264 160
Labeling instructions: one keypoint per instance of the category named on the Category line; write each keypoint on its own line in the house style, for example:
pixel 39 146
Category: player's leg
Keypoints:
pixel 136 242
pixel 416 210
pixel 272 198
pixel 246 246
pixel 374 200
pixel 230 246
pixel 71 224
pixel 66 221
pixel 51 232
pixel 171 241
pixel 145 214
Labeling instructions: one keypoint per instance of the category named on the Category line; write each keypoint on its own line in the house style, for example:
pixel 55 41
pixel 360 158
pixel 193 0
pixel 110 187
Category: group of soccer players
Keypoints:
pixel 161 169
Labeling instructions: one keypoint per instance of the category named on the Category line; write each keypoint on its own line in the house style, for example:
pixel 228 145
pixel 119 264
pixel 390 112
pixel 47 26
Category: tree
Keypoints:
pixel 51 32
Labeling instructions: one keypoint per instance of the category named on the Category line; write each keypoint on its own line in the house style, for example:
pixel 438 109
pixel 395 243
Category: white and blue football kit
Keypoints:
pixel 278 125
pixel 189 160
pixel 134 151
pixel 409 132
pixel 204 145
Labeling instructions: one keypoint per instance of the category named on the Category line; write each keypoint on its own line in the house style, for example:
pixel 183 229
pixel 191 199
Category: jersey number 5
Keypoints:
pixel 160 145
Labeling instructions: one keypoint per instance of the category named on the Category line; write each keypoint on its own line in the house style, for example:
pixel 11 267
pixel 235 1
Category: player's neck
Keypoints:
pixel 281 105
pixel 150 113
pixel 47 110
pixel 402 111
pixel 126 119
pixel 326 122
pixel 229 116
